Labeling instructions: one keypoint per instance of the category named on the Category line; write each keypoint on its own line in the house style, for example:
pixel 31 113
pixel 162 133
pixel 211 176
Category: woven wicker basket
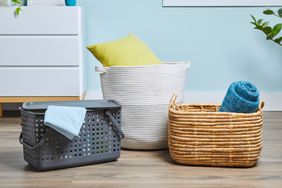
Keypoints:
pixel 199 135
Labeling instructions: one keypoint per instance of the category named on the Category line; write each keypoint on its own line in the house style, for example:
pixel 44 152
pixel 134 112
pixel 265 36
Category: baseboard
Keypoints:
pixel 273 100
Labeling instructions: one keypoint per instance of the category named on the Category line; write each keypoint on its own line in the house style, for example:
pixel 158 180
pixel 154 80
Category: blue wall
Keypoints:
pixel 220 42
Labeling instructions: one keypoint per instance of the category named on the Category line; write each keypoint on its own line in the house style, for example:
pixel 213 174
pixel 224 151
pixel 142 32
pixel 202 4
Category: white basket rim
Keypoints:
pixel 165 63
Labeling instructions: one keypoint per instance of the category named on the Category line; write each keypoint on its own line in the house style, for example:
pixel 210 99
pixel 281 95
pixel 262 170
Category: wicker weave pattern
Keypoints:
pixel 199 135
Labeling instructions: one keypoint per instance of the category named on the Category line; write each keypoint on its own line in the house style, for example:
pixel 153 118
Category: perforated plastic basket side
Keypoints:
pixel 98 141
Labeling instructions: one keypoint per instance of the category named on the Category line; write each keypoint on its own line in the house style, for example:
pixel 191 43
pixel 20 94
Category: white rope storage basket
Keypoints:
pixel 144 93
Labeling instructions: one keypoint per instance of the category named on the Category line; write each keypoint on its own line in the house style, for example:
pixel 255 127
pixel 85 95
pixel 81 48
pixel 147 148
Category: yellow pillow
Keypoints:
pixel 128 51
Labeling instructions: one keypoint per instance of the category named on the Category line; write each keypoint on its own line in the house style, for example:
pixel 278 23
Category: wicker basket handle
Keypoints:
pixel 173 100
pixel 261 105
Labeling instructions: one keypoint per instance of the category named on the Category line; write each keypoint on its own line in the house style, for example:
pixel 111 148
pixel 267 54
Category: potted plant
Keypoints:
pixel 19 4
pixel 272 33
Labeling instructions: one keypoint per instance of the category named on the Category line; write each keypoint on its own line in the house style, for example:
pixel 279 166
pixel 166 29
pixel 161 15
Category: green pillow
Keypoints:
pixel 128 51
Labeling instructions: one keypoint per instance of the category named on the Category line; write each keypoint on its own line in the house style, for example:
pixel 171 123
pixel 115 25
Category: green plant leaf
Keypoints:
pixel 278 40
pixel 280 12
pixel 259 27
pixel 267 30
pixel 254 18
pixel 17 11
pixel 19 6
pixel 276 29
pixel 265 24
pixel 17 2
pixel 268 12
pixel 269 37
pixel 270 32
pixel 260 21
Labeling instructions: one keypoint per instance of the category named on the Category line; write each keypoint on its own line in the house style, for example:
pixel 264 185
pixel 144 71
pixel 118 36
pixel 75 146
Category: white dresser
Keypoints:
pixel 41 54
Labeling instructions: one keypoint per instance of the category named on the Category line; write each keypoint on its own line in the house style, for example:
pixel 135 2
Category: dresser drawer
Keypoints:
pixel 40 20
pixel 40 51
pixel 39 81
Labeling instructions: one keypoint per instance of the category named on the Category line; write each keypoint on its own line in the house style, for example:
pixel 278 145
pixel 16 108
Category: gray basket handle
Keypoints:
pixel 39 144
pixel 115 124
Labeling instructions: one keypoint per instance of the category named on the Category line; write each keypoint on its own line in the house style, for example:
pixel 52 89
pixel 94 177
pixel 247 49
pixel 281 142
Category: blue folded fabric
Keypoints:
pixel 241 97
pixel 65 120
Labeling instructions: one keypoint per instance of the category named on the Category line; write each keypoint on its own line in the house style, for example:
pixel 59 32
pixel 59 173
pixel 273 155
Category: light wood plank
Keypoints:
pixel 35 99
pixel 143 169
pixel 1 111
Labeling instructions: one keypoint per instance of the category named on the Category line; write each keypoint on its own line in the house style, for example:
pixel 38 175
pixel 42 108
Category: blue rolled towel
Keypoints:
pixel 241 97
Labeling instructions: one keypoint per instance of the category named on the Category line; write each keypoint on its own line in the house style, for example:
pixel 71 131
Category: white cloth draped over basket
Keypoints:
pixel 144 93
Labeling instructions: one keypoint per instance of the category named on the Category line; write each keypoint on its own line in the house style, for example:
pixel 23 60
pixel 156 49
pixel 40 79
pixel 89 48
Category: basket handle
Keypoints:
pixel 39 144
pixel 261 105
pixel 115 125
pixel 173 100
pixel 101 69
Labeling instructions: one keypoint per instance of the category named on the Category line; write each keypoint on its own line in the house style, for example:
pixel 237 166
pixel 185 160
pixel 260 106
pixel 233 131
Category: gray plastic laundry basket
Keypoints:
pixel 98 141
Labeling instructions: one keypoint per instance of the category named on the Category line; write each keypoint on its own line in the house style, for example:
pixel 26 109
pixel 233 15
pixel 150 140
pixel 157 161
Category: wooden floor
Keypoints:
pixel 142 169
